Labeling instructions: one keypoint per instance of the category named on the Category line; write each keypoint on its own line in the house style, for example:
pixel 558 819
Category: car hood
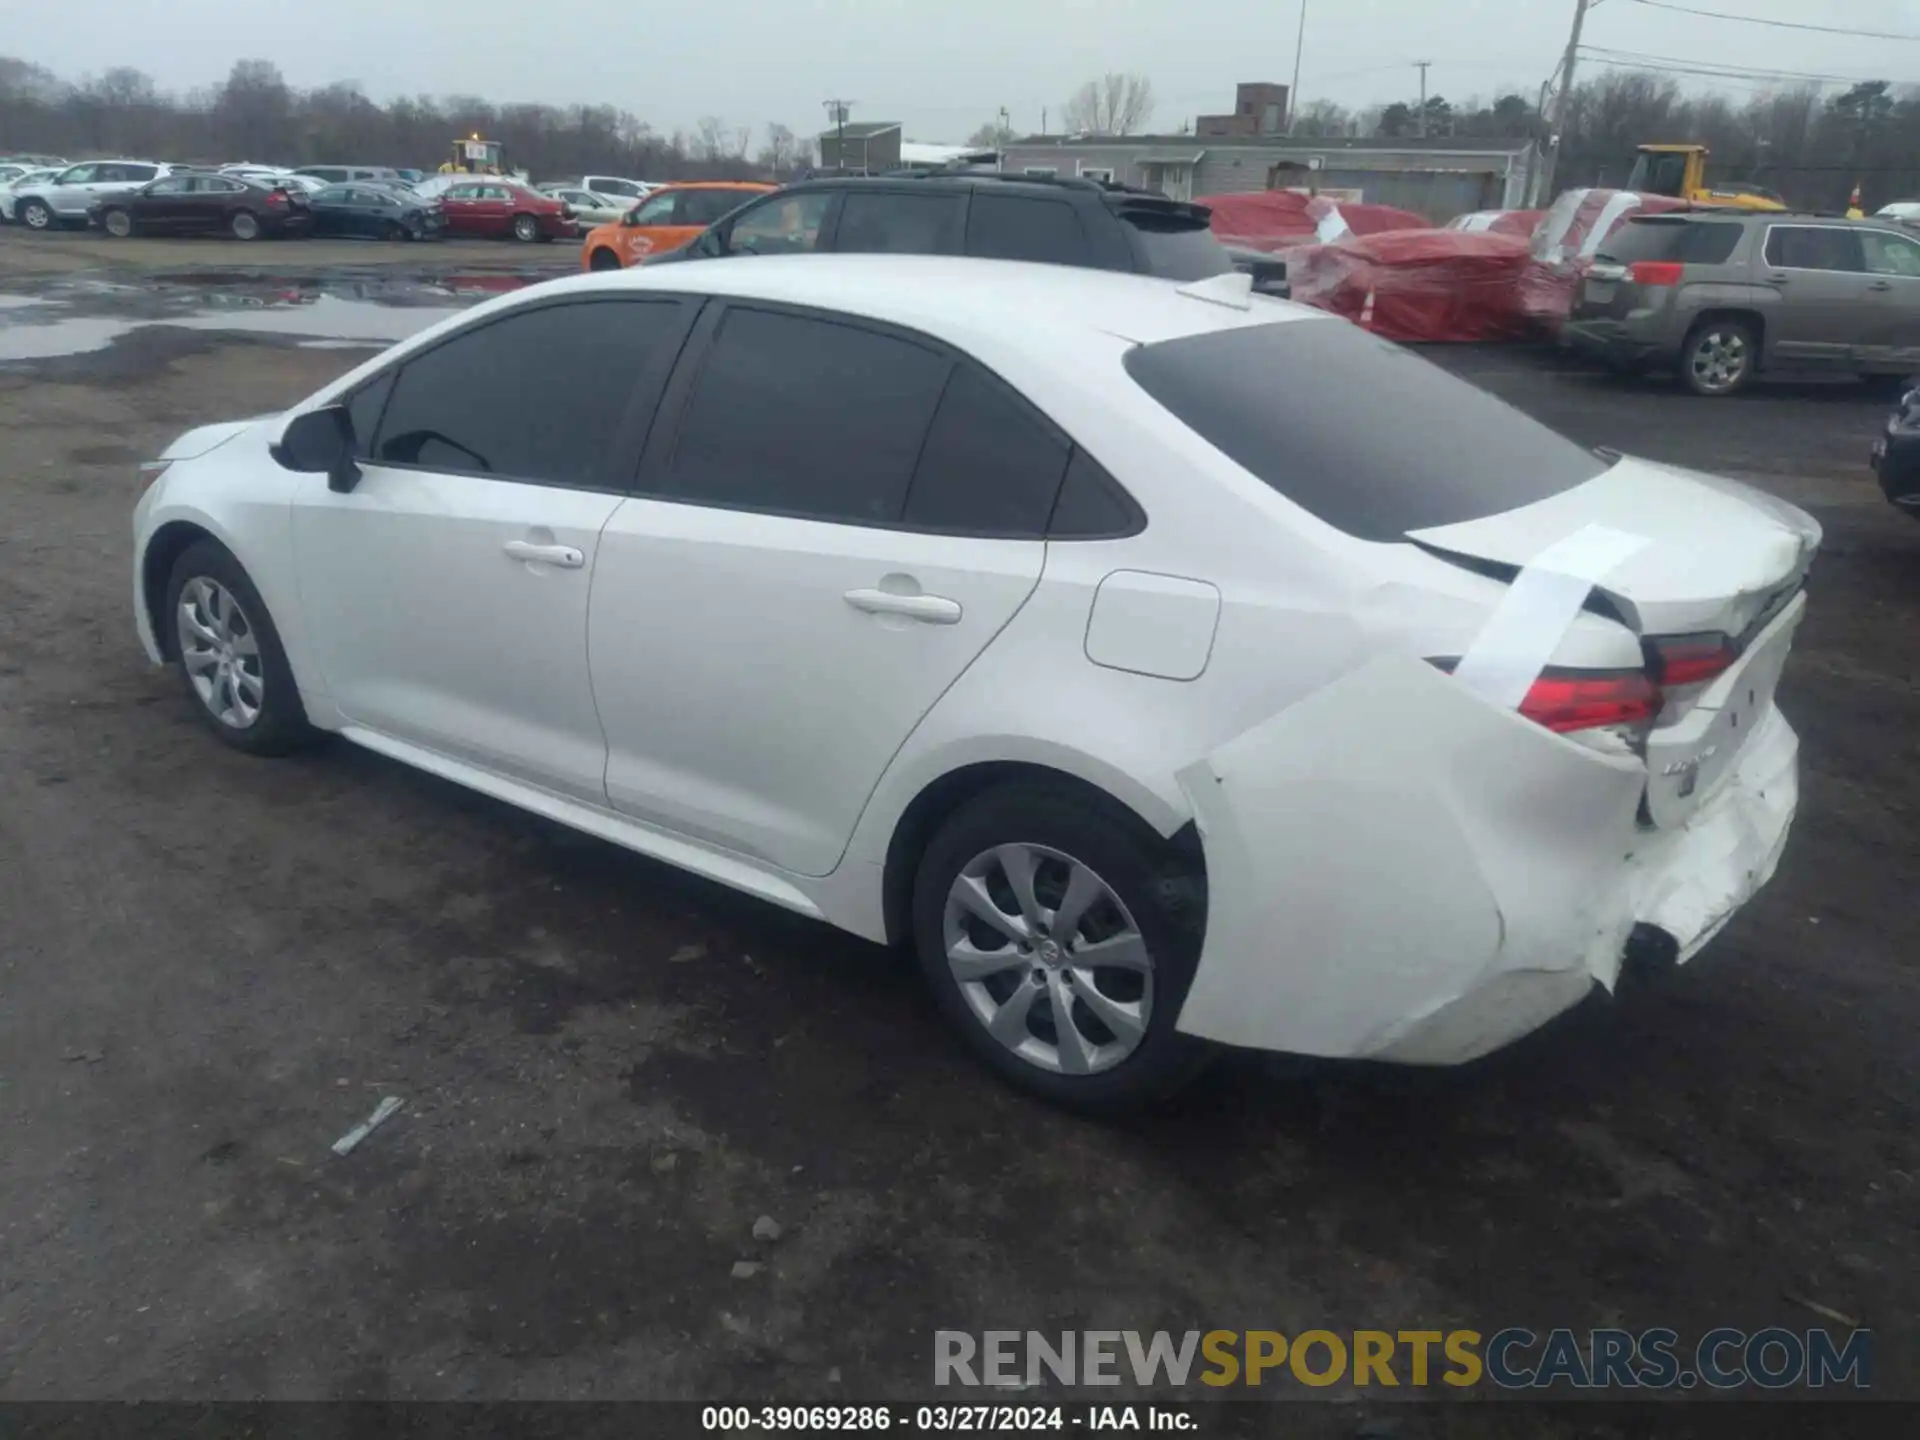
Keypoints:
pixel 207 438
pixel 1716 555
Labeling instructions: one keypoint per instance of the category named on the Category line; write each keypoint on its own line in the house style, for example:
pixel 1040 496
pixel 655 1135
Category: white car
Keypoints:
pixel 588 208
pixel 1168 664
pixel 618 187
pixel 67 196
pixel 1908 210
pixel 10 190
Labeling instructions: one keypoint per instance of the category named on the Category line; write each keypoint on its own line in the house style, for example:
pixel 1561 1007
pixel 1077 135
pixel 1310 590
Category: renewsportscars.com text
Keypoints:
pixel 1510 1359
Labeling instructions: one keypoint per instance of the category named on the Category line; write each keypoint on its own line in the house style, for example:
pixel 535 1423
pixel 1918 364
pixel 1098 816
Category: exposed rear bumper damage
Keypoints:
pixel 1401 871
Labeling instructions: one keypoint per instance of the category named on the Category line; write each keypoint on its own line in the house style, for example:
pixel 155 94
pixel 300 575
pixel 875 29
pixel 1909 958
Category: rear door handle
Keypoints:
pixel 1778 279
pixel 933 609
pixel 563 556
pixel 1881 285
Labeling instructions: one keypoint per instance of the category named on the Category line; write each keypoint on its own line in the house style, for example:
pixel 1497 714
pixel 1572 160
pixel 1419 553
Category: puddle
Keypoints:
pixel 82 315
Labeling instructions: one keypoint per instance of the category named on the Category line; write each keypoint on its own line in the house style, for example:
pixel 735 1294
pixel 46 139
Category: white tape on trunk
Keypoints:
pixel 1539 607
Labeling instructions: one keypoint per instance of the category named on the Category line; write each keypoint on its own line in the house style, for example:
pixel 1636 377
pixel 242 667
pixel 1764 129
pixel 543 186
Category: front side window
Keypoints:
pixel 78 175
pixel 1813 247
pixel 334 195
pixel 786 225
pixel 807 417
pixel 603 186
pixel 657 211
pixel 896 223
pixel 179 185
pixel 1016 227
pixel 1890 254
pixel 535 396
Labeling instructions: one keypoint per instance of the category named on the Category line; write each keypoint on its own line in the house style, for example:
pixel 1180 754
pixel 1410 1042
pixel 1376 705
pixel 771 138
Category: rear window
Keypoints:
pixel 1691 242
pixel 1366 436
pixel 1172 244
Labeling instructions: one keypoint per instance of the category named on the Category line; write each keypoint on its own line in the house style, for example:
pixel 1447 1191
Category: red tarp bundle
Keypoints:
pixel 1566 241
pixel 1418 285
pixel 1273 220
pixel 1499 222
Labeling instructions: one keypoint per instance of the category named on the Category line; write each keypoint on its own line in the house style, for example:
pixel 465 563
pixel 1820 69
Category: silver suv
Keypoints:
pixel 1721 296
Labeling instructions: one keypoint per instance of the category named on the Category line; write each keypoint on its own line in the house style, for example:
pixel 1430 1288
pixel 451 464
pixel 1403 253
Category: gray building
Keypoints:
pixel 1438 178
pixel 871 145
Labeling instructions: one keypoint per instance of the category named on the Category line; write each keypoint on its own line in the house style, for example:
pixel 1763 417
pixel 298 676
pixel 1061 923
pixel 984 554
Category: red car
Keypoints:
pixel 497 209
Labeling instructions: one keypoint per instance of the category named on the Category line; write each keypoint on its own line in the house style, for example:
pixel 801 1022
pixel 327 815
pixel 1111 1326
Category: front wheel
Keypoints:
pixel 604 260
pixel 1060 935
pixel 526 229
pixel 393 230
pixel 1719 357
pixel 245 226
pixel 36 214
pixel 117 223
pixel 230 654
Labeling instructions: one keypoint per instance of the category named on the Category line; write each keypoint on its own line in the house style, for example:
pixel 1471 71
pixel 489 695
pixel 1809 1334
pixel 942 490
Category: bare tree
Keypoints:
pixel 1321 119
pixel 710 140
pixel 781 154
pixel 991 136
pixel 1115 104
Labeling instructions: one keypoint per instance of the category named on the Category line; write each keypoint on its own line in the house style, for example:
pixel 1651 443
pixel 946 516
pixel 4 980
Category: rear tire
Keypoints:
pixel 1140 903
pixel 36 214
pixel 244 225
pixel 603 259
pixel 231 661
pixel 526 229
pixel 1719 358
pixel 117 223
pixel 394 230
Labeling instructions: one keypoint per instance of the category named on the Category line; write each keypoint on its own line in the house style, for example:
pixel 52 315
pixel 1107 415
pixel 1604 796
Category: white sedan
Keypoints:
pixel 588 208
pixel 1167 665
pixel 10 190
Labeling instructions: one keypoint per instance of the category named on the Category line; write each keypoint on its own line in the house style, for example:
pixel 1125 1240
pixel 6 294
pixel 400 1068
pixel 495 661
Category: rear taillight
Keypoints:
pixel 1656 272
pixel 1691 659
pixel 1570 700
pixel 276 197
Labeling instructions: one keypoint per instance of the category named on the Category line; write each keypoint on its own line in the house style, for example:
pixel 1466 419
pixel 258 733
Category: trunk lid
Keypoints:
pixel 1720 559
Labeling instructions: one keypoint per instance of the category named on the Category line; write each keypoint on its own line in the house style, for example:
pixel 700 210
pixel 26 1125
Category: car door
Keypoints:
pixel 331 212
pixel 67 192
pixel 1890 340
pixel 205 204
pixel 1820 276
pixel 459 205
pixel 495 211
pixel 157 207
pixel 653 227
pixel 446 593
pixel 820 546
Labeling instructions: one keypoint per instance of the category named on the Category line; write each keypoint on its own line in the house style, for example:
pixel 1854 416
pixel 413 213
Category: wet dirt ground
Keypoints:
pixel 211 967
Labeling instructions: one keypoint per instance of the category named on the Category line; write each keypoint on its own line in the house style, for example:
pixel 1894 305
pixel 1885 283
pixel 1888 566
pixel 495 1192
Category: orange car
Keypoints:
pixel 667 219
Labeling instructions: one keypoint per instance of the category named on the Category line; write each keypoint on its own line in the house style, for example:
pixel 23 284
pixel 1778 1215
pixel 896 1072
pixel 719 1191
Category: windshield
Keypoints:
pixel 1366 436
pixel 1173 244
pixel 1659 174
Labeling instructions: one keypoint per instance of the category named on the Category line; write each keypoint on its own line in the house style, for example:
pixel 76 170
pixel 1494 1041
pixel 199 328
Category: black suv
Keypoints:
pixel 1061 221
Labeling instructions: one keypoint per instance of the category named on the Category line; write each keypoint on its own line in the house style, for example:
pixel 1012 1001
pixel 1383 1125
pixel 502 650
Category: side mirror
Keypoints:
pixel 320 442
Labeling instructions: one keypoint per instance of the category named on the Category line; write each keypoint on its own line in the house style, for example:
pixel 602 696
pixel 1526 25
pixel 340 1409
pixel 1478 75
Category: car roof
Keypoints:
pixel 957 299
pixel 754 185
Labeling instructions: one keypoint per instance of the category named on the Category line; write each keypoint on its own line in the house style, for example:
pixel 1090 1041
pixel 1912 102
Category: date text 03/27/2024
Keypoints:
pixel 940 1419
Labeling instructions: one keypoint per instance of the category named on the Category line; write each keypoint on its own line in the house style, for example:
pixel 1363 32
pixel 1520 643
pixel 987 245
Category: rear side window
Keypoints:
pixel 703 207
pixel 1368 437
pixel 1173 245
pixel 536 396
pixel 797 416
pixel 1691 242
pixel 896 224
pixel 1019 227
pixel 1813 247
pixel 990 465
pixel 139 173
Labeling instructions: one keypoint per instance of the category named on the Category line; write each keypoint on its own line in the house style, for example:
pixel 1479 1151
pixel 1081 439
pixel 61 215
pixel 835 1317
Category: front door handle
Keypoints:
pixel 933 609
pixel 1777 279
pixel 1881 285
pixel 563 556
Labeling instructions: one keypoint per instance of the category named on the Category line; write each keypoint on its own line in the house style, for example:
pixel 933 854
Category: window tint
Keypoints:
pixel 1172 244
pixel 657 211
pixel 142 173
pixel 1092 506
pixel 896 224
pixel 703 207
pixel 1370 438
pixel 1014 227
pixel 1692 242
pixel 806 417
pixel 1890 254
pixel 364 407
pixel 78 175
pixel 786 225
pixel 1810 247
pixel 990 465
pixel 536 396
pixel 175 186
pixel 602 185
pixel 333 195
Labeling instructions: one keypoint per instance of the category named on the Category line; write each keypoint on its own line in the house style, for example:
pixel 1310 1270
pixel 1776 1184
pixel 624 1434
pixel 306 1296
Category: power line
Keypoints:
pixel 1775 24
pixel 1717 69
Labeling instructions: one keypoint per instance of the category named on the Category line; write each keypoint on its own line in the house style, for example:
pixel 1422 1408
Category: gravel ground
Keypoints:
pixel 211 967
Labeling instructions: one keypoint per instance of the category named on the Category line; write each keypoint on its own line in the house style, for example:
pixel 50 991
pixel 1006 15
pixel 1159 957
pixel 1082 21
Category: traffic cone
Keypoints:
pixel 1366 313
pixel 1854 212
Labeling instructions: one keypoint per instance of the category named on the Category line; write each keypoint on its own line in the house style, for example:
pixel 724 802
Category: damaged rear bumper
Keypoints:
pixel 1399 871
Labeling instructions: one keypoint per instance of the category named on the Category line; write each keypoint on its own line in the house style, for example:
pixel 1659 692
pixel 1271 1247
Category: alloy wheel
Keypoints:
pixel 1048 959
pixel 220 652
pixel 119 224
pixel 1719 360
pixel 526 228
pixel 245 227
pixel 36 215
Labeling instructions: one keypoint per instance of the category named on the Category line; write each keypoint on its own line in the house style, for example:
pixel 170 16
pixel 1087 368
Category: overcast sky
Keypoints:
pixel 942 69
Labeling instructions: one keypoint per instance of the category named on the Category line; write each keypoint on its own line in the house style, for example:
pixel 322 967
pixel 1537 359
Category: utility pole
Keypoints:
pixel 1421 66
pixel 1557 127
pixel 837 115
pixel 1299 43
